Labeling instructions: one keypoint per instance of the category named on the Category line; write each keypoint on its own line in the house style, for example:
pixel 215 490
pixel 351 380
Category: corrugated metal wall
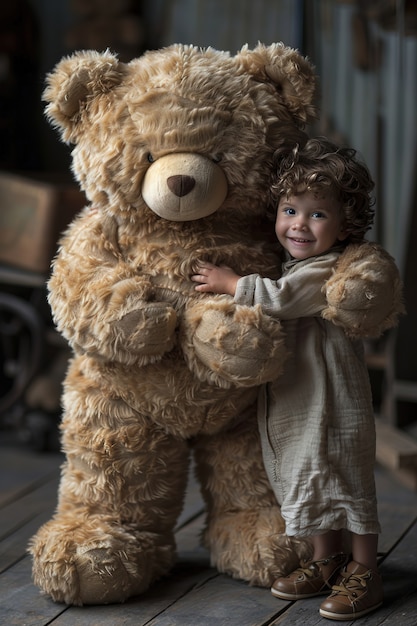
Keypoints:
pixel 368 77
pixel 225 24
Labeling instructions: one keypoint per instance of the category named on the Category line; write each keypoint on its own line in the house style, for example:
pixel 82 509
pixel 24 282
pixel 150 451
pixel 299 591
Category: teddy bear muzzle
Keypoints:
pixel 183 187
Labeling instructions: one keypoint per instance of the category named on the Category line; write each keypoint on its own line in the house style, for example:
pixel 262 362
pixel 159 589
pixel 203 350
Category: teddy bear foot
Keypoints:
pixel 102 569
pixel 252 546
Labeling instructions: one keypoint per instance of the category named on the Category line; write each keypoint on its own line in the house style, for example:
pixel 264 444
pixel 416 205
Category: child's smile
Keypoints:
pixel 308 225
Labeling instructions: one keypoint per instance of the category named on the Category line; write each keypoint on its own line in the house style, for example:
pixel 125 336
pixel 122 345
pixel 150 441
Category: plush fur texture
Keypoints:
pixel 160 370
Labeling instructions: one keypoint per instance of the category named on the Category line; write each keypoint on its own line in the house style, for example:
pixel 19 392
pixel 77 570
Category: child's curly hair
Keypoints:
pixel 323 167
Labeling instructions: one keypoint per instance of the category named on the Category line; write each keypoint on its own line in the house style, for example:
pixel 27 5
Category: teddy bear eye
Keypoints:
pixel 216 158
pixel 150 158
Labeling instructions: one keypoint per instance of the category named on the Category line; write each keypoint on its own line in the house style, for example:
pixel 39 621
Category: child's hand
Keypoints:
pixel 216 279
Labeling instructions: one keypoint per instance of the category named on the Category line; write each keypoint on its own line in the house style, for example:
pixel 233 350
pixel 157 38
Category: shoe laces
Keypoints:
pixel 311 569
pixel 352 584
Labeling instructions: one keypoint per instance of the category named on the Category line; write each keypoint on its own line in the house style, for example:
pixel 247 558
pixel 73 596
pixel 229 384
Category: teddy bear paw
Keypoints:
pixel 238 345
pixel 364 295
pixel 149 331
pixel 263 552
pixel 97 562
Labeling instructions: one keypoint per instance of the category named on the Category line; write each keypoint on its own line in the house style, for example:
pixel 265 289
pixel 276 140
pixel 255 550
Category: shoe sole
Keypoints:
pixel 344 617
pixel 292 596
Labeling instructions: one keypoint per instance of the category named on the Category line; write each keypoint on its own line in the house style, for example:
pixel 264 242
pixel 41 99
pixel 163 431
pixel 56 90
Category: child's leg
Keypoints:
pixel 364 550
pixel 327 544
pixel 359 590
pixel 318 575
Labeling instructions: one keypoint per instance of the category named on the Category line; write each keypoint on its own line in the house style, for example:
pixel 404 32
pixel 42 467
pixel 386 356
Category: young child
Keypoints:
pixel 316 421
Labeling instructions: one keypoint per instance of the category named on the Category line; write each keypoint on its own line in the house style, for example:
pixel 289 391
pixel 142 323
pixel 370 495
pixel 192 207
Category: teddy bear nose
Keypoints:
pixel 181 185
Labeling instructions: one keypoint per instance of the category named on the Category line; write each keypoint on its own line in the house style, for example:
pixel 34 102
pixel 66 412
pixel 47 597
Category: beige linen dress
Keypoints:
pixel 316 421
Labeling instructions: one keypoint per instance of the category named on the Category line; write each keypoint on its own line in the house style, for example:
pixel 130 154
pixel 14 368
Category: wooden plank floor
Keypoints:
pixel 194 594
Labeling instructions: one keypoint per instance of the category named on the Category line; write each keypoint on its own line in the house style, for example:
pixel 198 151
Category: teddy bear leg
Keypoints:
pixel 245 532
pixel 121 491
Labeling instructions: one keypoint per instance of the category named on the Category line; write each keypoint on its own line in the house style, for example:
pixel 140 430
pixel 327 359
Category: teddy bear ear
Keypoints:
pixel 75 81
pixel 291 74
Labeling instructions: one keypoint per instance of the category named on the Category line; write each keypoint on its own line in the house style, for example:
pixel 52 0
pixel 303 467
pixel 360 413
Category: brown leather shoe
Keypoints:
pixel 314 579
pixel 358 593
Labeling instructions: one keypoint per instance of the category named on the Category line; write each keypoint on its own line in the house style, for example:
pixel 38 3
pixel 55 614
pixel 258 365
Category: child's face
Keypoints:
pixel 309 224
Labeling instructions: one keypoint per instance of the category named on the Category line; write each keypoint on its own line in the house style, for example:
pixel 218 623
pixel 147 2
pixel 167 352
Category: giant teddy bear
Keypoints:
pixel 174 151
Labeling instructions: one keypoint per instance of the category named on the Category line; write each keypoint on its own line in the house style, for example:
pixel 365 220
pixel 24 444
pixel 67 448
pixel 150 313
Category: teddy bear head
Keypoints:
pixel 181 133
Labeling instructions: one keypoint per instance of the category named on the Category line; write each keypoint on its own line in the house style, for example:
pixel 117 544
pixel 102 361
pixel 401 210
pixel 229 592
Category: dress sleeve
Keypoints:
pixel 296 294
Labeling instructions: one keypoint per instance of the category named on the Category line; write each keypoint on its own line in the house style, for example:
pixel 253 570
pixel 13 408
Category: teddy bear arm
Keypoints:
pixel 107 311
pixel 139 332
pixel 364 294
pixel 232 345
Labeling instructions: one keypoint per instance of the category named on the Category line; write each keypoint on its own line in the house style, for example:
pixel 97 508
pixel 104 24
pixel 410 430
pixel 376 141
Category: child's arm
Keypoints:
pixel 216 279
pixel 296 295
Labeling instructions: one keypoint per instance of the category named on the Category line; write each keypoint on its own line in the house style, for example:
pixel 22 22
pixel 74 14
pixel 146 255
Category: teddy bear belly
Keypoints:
pixel 166 392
